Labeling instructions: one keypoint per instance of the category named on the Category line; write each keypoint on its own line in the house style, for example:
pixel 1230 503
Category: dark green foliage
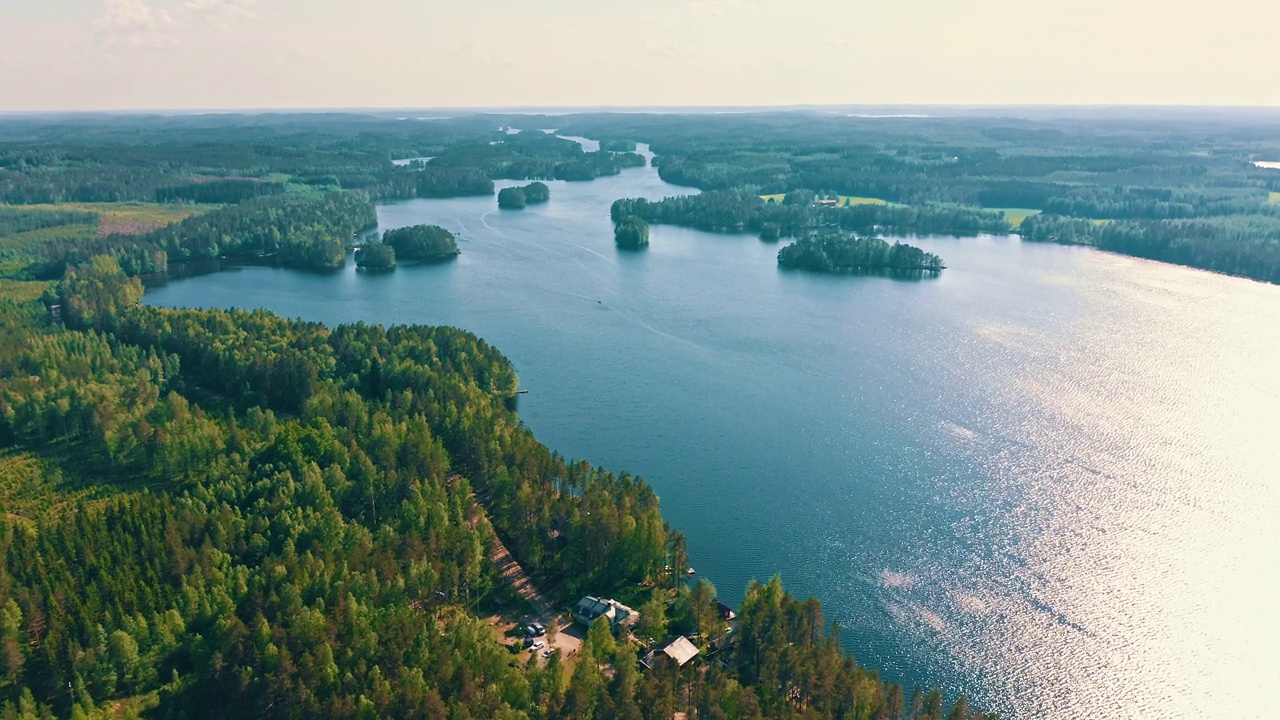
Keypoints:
pixel 632 233
pixel 744 211
pixel 14 220
pixel 1048 227
pixel 376 256
pixel 227 191
pixel 834 253
pixel 536 192
pixel 1247 245
pixel 515 198
pixel 511 198
pixel 296 231
pixel 299 231
pixel 428 243
pixel 535 155
pixel 293 558
pixel 770 231
pixel 626 146
pixel 800 197
pixel 443 182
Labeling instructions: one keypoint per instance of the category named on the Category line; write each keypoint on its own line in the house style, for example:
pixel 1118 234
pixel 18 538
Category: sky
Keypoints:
pixel 236 54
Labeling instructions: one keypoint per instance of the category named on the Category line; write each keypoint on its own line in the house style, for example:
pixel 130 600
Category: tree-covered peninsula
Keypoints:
pixel 422 243
pixel 631 233
pixel 516 198
pixel 230 514
pixel 743 210
pixel 839 253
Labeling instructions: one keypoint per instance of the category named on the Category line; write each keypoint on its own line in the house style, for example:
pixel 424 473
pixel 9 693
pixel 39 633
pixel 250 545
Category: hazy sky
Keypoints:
pixel 134 54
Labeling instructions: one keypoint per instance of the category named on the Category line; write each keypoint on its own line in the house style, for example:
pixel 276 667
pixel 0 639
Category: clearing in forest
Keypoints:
pixel 1015 216
pixel 844 199
pixel 132 218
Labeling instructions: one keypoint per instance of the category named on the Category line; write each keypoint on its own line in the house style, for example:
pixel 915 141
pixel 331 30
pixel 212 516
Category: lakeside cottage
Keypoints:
pixel 678 648
pixel 726 613
pixel 591 607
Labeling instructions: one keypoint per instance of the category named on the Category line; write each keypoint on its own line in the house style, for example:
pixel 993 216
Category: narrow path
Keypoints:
pixel 562 637
pixel 520 581
pixel 510 570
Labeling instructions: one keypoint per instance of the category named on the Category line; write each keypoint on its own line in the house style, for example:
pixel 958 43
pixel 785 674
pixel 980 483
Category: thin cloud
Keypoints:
pixel 134 24
pixel 715 8
pixel 667 49
pixel 225 8
pixel 131 16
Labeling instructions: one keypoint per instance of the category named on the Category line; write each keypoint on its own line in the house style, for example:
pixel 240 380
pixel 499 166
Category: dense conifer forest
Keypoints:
pixel 428 243
pixel 836 253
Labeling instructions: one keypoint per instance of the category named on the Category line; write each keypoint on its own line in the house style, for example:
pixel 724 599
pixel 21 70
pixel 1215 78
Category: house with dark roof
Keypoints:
pixel 591 607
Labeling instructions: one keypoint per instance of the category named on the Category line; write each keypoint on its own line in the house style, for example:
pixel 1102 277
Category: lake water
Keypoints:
pixel 1047 479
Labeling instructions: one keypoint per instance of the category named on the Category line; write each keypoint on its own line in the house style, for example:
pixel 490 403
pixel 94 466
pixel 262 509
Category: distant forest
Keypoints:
pixel 1170 186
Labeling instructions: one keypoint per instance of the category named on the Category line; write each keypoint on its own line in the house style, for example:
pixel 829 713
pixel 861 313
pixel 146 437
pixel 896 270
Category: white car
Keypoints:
pixel 536 646
pixel 549 652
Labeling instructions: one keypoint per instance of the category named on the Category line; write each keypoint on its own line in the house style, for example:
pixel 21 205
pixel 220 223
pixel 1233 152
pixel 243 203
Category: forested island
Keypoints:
pixel 515 198
pixel 631 233
pixel 847 254
pixel 376 256
pixel 422 243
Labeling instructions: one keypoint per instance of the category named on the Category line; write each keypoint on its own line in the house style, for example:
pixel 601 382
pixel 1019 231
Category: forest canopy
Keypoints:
pixel 425 243
pixel 837 253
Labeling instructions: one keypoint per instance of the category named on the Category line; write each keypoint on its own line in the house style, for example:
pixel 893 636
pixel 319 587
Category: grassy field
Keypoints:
pixel 22 290
pixel 132 217
pixel 1275 197
pixel 1015 216
pixel 844 199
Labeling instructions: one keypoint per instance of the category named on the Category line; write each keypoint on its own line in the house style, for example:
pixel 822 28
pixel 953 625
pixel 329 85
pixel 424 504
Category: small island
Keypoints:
pixel 838 253
pixel 376 256
pixel 515 198
pixel 631 234
pixel 422 243
pixel 770 231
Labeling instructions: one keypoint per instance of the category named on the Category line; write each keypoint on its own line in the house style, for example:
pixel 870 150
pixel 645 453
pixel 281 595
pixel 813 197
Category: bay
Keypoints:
pixel 1046 479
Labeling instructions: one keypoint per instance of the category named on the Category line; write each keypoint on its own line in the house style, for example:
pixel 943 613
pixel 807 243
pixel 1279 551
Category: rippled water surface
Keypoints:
pixel 1047 479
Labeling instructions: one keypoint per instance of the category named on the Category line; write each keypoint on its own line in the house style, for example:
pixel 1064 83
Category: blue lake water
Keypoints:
pixel 1049 479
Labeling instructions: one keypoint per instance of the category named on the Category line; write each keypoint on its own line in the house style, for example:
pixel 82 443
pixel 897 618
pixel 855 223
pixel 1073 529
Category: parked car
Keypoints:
pixel 536 630
pixel 548 652
pixel 536 646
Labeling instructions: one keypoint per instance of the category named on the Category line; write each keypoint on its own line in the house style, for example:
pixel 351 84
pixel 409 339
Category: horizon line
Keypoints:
pixel 630 109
